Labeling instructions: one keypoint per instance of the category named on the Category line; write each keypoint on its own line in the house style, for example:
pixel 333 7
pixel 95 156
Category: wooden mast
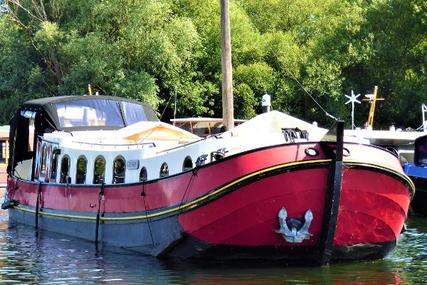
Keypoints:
pixel 226 68
pixel 372 108
pixel 372 98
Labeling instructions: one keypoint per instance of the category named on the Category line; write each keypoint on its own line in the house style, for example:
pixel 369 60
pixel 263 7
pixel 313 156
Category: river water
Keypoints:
pixel 49 258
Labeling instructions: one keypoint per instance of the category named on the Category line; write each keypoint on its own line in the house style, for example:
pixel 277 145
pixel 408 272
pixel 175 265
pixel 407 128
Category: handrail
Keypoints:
pixel 117 144
pixel 153 144
pixel 42 139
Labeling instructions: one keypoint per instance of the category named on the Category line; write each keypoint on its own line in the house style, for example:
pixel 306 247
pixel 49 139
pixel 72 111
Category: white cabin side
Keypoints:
pixel 141 161
pixel 149 151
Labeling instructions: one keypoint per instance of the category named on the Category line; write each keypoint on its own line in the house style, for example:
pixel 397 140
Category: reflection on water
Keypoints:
pixel 49 258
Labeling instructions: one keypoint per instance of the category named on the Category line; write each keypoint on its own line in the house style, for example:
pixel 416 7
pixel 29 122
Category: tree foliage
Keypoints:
pixel 151 50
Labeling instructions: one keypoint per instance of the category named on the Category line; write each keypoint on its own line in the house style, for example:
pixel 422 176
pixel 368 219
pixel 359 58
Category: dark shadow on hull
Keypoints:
pixel 195 251
pixel 419 202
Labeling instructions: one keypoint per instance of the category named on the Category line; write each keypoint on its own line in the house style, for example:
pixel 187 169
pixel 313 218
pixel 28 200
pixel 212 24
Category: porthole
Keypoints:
pixel 164 170
pixel 99 170
pixel 143 175
pixel 119 170
pixel 188 164
pixel 311 151
pixel 65 170
pixel 43 161
pixel 345 152
pixel 81 170
pixel 54 164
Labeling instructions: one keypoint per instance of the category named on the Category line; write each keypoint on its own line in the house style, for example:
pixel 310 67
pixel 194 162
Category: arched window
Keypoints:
pixel 119 170
pixel 143 175
pixel 81 170
pixel 43 161
pixel 164 170
pixel 65 170
pixel 54 164
pixel 188 164
pixel 99 170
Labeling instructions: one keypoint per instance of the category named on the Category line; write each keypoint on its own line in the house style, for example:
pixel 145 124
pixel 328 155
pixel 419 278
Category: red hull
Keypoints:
pixel 235 202
pixel 370 211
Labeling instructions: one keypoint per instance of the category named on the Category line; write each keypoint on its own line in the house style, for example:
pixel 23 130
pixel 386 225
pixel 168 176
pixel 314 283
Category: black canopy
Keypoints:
pixel 70 113
pixel 116 107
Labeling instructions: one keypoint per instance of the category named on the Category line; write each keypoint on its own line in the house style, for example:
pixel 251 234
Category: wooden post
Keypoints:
pixel 226 68
pixel 372 109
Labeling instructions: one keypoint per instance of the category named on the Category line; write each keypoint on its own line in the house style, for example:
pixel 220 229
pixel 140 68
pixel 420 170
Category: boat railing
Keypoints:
pixel 42 139
pixel 128 146
pixel 117 146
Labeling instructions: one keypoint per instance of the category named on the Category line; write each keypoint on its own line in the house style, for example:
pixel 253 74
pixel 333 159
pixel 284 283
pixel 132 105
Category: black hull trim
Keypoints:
pixel 146 237
pixel 191 249
pixel 419 203
pixel 168 240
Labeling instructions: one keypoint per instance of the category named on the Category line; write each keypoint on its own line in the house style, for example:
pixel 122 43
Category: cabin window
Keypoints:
pixel 164 170
pixel 133 113
pixel 81 170
pixel 99 170
pixel 65 170
pixel 89 113
pixel 31 134
pixel 119 169
pixel 143 175
pixel 188 164
pixel 43 161
pixel 3 152
pixel 54 164
pixel 23 145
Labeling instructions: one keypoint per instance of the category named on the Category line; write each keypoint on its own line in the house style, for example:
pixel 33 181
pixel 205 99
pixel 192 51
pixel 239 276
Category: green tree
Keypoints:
pixel 399 62
pixel 151 50
pixel 136 49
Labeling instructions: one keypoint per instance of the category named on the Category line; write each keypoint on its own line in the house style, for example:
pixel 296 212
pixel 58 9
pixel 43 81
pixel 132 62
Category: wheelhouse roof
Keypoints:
pixel 47 101
pixel 48 107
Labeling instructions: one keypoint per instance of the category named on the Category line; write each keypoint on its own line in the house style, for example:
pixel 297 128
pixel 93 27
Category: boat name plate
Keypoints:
pixel 132 164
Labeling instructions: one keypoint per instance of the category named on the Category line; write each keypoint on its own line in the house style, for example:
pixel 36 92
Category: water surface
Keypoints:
pixel 49 258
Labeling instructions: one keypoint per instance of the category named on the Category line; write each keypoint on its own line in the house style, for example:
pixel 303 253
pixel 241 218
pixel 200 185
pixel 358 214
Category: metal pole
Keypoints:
pixel 89 88
pixel 174 109
pixel 333 201
pixel 423 110
pixel 352 100
pixel 352 115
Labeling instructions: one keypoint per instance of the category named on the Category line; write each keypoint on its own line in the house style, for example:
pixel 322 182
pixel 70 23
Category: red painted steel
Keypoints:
pixel 372 209
pixel 373 204
pixel 164 192
pixel 248 217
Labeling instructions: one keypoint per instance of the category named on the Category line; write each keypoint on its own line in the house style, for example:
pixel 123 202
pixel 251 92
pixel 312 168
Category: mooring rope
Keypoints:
pixel 312 98
pixel 39 189
pixel 143 194
pixel 193 174
pixel 98 218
